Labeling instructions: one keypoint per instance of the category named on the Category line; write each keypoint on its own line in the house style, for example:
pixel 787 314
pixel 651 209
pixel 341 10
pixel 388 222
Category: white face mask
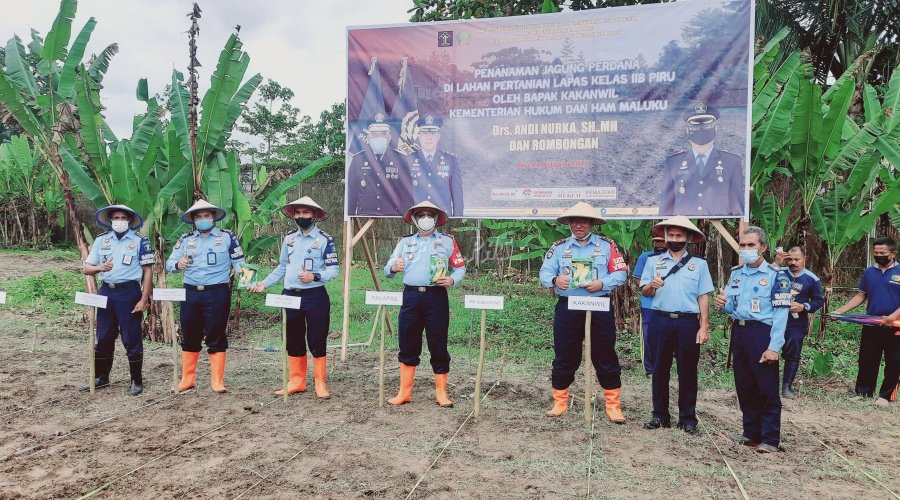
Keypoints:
pixel 119 226
pixel 379 144
pixel 425 223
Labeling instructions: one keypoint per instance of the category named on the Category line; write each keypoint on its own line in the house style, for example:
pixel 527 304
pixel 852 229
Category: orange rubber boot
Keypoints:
pixel 440 391
pixel 188 370
pixel 614 405
pixel 217 372
pixel 297 373
pixel 404 395
pixel 320 368
pixel 560 403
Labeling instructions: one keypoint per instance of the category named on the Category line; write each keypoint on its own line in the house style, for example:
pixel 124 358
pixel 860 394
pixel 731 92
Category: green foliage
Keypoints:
pixel 50 291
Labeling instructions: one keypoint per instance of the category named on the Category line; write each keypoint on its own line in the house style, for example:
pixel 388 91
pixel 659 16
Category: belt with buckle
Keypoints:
pixel 680 315
pixel 201 288
pixel 749 322
pixel 421 289
pixel 124 284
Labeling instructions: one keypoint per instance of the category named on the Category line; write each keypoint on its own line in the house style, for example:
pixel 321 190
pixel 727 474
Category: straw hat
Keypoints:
pixel 218 213
pixel 441 215
pixel 104 214
pixel 694 234
pixel 306 201
pixel 583 210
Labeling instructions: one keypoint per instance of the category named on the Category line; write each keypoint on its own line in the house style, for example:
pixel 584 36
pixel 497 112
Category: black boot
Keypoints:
pixel 787 391
pixel 102 367
pixel 137 382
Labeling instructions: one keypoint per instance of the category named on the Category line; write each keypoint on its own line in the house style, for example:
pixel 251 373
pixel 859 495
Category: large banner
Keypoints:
pixel 641 111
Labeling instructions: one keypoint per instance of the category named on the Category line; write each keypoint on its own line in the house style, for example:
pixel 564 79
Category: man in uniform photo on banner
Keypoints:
pixel 659 246
pixel 704 180
pixel 758 298
pixel 584 265
pixel 431 263
pixel 124 261
pixel 378 182
pixel 435 173
pixel 677 283
pixel 880 288
pixel 207 255
pixel 307 261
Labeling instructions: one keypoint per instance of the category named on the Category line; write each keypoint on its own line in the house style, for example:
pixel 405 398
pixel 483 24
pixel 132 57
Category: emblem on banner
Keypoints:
pixel 445 39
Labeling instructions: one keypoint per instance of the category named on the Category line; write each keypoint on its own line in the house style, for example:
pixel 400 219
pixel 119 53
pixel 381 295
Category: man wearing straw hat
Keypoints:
pixel 308 260
pixel 758 297
pixel 431 263
pixel 124 261
pixel 677 283
pixel 597 257
pixel 659 246
pixel 207 256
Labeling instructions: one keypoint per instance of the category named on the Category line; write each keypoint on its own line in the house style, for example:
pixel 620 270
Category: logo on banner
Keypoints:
pixel 445 39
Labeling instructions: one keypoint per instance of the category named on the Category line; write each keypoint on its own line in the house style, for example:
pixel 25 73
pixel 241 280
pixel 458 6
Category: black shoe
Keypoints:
pixel 102 367
pixel 99 383
pixel 689 428
pixel 655 423
pixel 137 383
pixel 135 388
pixel 787 392
pixel 743 440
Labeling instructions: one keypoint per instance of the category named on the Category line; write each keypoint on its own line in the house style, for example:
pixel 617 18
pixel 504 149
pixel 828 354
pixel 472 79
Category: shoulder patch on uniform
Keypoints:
pixel 607 239
pixel 559 242
pixel 102 235
pixel 292 232
pixel 677 153
pixel 448 153
pixel 326 234
pixel 226 230
pixel 408 235
pixel 185 235
pixel 735 268
pixel 727 153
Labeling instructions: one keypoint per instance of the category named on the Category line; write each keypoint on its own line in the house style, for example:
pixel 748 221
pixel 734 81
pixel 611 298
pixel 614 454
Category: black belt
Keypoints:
pixel 200 288
pixel 678 315
pixel 422 289
pixel 749 322
pixel 124 284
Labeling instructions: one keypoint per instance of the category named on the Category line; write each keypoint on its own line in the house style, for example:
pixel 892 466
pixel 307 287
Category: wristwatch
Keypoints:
pixel 553 281
pixel 317 277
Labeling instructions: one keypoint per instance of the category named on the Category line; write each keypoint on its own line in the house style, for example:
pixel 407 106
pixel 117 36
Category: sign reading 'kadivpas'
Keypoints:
pixel 378 298
pixel 173 294
pixel 282 301
pixel 484 302
pixel 589 303
pixel 91 299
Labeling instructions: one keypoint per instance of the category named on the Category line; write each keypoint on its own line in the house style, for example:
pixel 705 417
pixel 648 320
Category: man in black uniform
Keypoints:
pixel 703 180
pixel 377 181
pixel 435 173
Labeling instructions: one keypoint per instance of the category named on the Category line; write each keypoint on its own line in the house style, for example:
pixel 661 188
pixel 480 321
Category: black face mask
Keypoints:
pixel 702 136
pixel 676 246
pixel 882 260
pixel 304 222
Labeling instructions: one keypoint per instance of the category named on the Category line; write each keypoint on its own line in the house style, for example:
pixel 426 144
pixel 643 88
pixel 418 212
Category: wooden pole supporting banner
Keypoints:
pixel 92 314
pixel 175 360
pixel 348 259
pixel 361 232
pixel 382 315
pixel 372 268
pixel 284 355
pixel 480 370
pixel 588 409
pixel 725 234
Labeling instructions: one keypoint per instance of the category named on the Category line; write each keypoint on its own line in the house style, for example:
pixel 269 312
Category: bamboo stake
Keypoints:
pixel 348 256
pixel 382 315
pixel 92 314
pixel 284 354
pixel 167 315
pixel 480 370
pixel 588 410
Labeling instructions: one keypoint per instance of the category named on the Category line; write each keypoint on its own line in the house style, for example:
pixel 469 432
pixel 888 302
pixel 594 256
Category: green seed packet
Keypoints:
pixel 247 276
pixel 438 268
pixel 581 271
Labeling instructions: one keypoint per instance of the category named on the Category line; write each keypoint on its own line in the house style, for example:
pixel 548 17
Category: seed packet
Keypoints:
pixel 247 276
pixel 581 272
pixel 438 268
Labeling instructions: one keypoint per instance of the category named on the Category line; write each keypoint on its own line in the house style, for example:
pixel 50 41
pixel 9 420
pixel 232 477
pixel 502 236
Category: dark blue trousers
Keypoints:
pixel 568 335
pixel 756 383
pixel 646 318
pixel 118 317
pixel 675 338
pixel 204 316
pixel 426 310
pixel 793 346
pixel 309 322
pixel 875 341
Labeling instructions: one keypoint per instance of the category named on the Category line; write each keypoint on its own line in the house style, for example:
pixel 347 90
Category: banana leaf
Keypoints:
pixel 82 180
pixel 88 101
pixel 225 81
pixel 12 99
pixel 17 66
pixel 57 41
pixel 66 84
pixel 100 64
pixel 269 203
pixel 179 110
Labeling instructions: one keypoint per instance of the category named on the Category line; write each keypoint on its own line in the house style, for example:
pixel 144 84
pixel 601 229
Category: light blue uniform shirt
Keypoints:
pixel 681 290
pixel 417 251
pixel 127 255
pixel 609 267
pixel 769 290
pixel 646 302
pixel 313 252
pixel 213 255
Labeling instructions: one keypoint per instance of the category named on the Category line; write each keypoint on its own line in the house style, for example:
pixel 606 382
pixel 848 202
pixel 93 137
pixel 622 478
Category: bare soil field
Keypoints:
pixel 58 443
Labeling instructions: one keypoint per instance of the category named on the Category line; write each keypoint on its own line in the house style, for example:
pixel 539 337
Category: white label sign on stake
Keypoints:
pixel 376 298
pixel 173 294
pixel 484 302
pixel 2 297
pixel 91 299
pixel 589 303
pixel 282 301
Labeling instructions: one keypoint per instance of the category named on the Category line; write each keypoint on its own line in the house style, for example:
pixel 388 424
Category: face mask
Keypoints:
pixel 425 223
pixel 119 226
pixel 702 136
pixel 204 224
pixel 882 260
pixel 304 222
pixel 749 256
pixel 676 246
pixel 379 144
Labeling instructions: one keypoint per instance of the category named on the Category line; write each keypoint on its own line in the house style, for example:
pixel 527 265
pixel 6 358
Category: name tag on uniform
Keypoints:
pixel 211 259
pixel 126 259
pixel 754 305
pixel 307 264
